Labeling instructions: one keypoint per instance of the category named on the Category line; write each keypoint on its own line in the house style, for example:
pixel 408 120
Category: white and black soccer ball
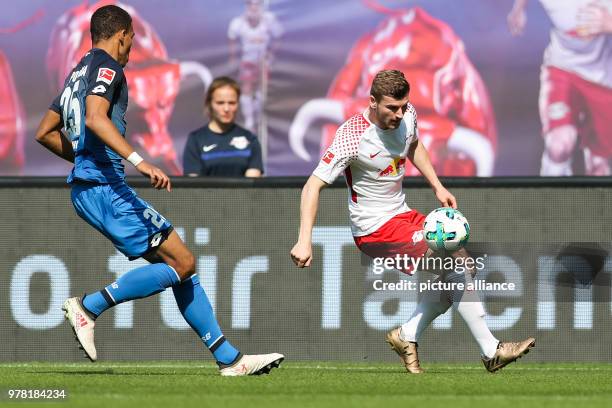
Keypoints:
pixel 446 228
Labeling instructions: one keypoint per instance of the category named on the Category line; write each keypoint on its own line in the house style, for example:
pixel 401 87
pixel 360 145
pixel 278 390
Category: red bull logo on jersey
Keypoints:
pixel 393 168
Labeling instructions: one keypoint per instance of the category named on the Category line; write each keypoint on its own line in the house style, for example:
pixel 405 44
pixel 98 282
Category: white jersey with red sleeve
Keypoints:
pixel 373 161
pixel 589 57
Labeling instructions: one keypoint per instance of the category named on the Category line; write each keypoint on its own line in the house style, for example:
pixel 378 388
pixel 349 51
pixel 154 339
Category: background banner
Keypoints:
pixel 548 242
pixel 304 67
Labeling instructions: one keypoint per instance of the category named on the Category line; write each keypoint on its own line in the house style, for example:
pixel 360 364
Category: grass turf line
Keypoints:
pixel 311 384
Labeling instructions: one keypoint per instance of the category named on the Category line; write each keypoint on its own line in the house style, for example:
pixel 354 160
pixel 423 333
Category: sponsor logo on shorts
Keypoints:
pixel 558 110
pixel 156 239
pixel 106 75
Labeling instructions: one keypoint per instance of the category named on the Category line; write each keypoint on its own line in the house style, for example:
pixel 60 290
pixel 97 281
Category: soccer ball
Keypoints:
pixel 446 228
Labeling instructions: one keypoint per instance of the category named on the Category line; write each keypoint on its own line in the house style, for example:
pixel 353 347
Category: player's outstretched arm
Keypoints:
pixel 301 253
pixel 98 122
pixel 418 155
pixel 49 134
pixel 517 19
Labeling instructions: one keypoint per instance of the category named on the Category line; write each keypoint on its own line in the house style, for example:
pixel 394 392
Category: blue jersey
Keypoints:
pixel 228 154
pixel 96 74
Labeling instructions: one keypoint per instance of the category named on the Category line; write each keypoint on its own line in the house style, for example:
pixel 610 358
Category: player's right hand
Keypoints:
pixel 301 254
pixel 159 179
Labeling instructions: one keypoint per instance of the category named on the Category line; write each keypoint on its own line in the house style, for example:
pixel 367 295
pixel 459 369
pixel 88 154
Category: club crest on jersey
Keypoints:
pixel 106 75
pixel 328 157
pixel 239 142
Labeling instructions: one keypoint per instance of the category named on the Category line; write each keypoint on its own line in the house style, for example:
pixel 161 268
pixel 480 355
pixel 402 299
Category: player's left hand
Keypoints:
pixel 446 198
pixel 158 178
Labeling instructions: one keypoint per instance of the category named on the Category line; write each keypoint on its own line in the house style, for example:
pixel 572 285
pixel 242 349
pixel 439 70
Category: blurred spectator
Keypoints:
pixel 576 84
pixel 253 35
pixel 221 148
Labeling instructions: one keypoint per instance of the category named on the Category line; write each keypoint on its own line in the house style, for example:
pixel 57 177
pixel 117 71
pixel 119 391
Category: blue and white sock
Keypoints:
pixel 135 284
pixel 197 311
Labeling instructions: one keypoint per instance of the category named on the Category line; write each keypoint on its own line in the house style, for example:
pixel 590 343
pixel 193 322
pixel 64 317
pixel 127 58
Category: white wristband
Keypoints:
pixel 135 159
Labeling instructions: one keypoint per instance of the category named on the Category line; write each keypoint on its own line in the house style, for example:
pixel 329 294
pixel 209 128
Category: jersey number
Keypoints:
pixel 155 217
pixel 71 110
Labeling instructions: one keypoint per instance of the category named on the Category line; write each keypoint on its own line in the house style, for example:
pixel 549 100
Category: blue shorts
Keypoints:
pixel 115 210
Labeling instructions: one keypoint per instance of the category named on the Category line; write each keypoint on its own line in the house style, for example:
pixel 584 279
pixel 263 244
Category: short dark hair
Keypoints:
pixel 390 82
pixel 107 21
pixel 217 83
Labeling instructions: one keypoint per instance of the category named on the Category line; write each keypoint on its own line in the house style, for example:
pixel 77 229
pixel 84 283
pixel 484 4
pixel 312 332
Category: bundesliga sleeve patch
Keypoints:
pixel 328 157
pixel 105 75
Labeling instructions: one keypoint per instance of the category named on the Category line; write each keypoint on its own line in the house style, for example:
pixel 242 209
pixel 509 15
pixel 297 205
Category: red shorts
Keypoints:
pixel 401 235
pixel 567 99
pixel 250 72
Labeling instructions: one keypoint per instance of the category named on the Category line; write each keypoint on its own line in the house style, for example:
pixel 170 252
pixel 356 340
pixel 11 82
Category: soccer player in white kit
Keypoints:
pixel 576 83
pixel 255 30
pixel 371 149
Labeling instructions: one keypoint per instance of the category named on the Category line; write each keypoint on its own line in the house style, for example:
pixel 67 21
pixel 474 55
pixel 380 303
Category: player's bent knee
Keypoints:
pixel 185 266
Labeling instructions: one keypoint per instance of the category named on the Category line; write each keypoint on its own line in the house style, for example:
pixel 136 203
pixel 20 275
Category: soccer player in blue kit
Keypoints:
pixel 91 110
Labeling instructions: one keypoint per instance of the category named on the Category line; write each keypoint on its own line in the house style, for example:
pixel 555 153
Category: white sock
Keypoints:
pixel 469 306
pixel 248 111
pixel 431 305
pixel 422 317
pixel 473 314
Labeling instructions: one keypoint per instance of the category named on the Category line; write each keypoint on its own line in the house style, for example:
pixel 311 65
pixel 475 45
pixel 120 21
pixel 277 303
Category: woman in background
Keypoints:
pixel 221 148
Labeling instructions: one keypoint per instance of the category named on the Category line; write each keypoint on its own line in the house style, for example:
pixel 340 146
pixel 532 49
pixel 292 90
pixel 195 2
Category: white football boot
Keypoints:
pixel 254 364
pixel 82 326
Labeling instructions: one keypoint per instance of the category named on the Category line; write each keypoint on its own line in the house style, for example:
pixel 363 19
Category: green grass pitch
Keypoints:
pixel 311 384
